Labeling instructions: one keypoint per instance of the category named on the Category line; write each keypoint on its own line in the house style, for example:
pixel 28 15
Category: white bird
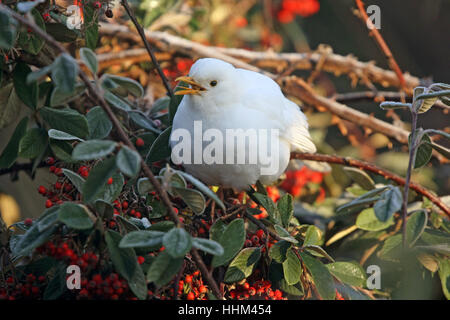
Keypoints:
pixel 224 97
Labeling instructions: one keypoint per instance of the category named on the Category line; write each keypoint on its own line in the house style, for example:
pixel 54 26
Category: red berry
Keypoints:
pixel 48 203
pixel 46 16
pixel 28 222
pixel 139 142
pixel 141 259
pixel 97 5
pixel 42 190
pixel 125 205
pixel 58 185
pixel 191 296
pixel 110 181
pixel 202 289
pixel 50 160
pixel 188 279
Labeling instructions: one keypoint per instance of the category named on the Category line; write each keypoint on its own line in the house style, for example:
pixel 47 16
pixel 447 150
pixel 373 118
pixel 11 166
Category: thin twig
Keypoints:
pixel 366 166
pixel 382 44
pixel 148 47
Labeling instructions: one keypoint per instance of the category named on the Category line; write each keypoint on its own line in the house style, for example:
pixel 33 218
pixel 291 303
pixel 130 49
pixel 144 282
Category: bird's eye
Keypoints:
pixel 213 83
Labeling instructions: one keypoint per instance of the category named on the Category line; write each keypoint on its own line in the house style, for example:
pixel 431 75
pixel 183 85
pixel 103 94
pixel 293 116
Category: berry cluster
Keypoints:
pixel 256 239
pixel 260 289
pixel 108 287
pixel 291 8
pixel 30 288
pixel 296 180
pixel 192 287
pixel 62 251
pixel 62 190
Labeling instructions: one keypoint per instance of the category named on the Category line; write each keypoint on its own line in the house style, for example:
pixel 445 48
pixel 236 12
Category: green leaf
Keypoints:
pixel 75 216
pixel 391 248
pixel 142 239
pixel 57 285
pixel 28 93
pixel 424 151
pixel 209 246
pixel 32 239
pixel 61 135
pixel 444 274
pixel 242 266
pixel 93 149
pixel 313 236
pixel 278 251
pixel 116 101
pixel 160 149
pixel 216 230
pixel 8 28
pixel 318 251
pixel 62 150
pixel 321 276
pixel 286 209
pixel 160 105
pixel 193 198
pixel 97 179
pixel 368 221
pixel 162 226
pixel 163 269
pixel 60 97
pixel 284 234
pixel 415 225
pixel 295 290
pixel 360 177
pixel 30 41
pixel 11 151
pixel 66 120
pixel 64 72
pixel 98 122
pixel 232 240
pixel 394 105
pixel 203 188
pixel 125 262
pixel 33 143
pixel 128 161
pixel 123 86
pixel 268 204
pixel 142 121
pixel 10 106
pixel 89 59
pixel 177 242
pixel 173 106
pixel 350 273
pixel 292 268
pixel 389 203
pixel 111 192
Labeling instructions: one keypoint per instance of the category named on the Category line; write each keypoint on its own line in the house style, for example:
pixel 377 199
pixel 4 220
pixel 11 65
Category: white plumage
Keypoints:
pixel 223 97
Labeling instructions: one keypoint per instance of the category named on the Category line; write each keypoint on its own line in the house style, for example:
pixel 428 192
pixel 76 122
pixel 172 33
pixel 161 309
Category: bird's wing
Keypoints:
pixel 265 94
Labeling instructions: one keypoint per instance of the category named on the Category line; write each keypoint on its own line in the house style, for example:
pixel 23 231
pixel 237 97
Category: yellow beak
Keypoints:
pixel 194 89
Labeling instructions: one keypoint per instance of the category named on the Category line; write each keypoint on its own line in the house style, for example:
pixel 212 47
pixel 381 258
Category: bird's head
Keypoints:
pixel 209 78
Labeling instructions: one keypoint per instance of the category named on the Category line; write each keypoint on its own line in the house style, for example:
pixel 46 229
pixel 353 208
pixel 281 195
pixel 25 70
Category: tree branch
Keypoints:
pixel 366 166
pixel 381 43
pixel 333 63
